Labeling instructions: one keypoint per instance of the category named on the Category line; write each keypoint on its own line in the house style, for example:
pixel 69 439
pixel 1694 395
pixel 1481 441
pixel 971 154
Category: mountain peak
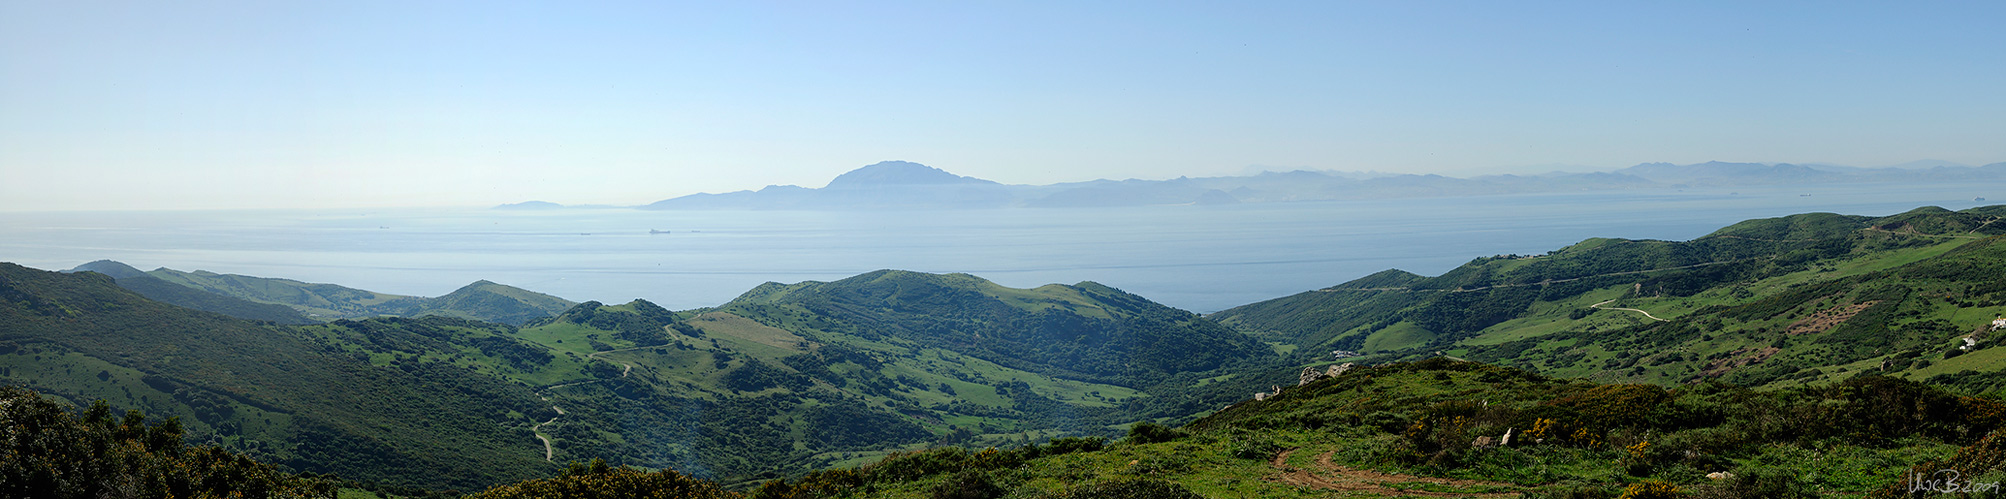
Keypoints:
pixel 899 173
pixel 111 268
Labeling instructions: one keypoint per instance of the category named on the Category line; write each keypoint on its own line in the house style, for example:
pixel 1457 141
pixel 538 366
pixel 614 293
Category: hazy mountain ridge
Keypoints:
pixel 481 300
pixel 893 185
pixel 168 292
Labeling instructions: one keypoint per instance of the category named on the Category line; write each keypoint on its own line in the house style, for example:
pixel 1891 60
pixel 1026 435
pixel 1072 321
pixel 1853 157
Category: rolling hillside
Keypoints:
pixel 412 402
pixel 482 300
pixel 1443 428
pixel 1862 340
pixel 794 377
pixel 786 379
pixel 1805 298
pixel 167 292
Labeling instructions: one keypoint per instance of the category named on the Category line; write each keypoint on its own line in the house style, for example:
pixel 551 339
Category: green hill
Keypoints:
pixel 788 379
pixel 1441 428
pixel 1086 331
pixel 491 302
pixel 1808 355
pixel 482 300
pixel 397 401
pixel 1790 300
pixel 321 301
pixel 163 291
pixel 794 377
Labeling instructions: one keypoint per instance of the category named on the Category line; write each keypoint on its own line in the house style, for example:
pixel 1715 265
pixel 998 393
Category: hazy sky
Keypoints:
pixel 351 103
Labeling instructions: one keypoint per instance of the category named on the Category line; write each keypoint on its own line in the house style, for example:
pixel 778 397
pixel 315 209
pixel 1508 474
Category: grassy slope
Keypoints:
pixel 482 300
pixel 824 362
pixel 356 398
pixel 1410 427
pixel 1537 311
pixel 323 301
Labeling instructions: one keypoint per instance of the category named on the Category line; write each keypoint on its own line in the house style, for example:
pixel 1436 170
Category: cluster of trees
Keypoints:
pixel 49 452
pixel 600 481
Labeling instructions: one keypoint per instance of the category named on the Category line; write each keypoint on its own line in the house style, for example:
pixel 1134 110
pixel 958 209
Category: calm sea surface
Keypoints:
pixel 1203 258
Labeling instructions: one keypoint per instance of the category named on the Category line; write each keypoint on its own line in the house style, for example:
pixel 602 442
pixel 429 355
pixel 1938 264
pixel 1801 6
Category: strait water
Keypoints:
pixel 1202 258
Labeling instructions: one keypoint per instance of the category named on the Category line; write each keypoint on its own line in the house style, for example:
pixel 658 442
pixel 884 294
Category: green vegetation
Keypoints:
pixel 1804 299
pixel 1437 426
pixel 162 291
pixel 597 480
pixel 1808 355
pixel 482 300
pixel 48 452
pixel 790 378
pixel 750 391
pixel 398 402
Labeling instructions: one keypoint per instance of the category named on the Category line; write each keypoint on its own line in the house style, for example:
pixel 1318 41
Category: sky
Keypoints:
pixel 259 104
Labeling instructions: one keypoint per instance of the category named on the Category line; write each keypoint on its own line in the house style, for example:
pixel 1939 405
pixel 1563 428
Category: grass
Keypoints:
pixel 1397 336
pixel 748 336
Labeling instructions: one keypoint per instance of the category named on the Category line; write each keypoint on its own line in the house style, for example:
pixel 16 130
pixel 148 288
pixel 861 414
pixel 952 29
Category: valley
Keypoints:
pixel 881 368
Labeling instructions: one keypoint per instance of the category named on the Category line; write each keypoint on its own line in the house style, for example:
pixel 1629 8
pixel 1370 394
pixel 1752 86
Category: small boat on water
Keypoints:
pixel 657 231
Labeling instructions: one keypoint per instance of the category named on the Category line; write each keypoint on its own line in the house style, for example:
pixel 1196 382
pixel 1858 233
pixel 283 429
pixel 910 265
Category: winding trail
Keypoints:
pixel 548 451
pixel 1332 476
pixel 538 430
pixel 1599 306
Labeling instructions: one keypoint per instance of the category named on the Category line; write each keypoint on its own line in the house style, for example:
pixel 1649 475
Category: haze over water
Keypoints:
pixel 1202 258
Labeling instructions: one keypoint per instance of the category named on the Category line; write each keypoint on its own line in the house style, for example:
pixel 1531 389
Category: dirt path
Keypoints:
pixel 537 430
pixel 1333 476
pixel 1599 306
pixel 1974 230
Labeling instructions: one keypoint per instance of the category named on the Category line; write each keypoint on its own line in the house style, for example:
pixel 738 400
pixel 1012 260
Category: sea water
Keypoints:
pixel 1202 258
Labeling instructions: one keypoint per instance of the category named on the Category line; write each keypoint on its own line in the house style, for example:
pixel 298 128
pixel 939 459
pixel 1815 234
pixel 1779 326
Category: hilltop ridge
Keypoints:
pixel 305 303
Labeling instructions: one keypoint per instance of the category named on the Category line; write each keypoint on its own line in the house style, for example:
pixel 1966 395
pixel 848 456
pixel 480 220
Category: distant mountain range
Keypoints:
pixel 895 185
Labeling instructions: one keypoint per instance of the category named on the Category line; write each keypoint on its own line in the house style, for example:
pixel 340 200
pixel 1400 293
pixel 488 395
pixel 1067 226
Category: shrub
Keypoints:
pixel 1588 491
pixel 47 452
pixel 1074 444
pixel 1615 406
pixel 1252 448
pixel 1129 489
pixel 967 484
pixel 599 482
pixel 1650 489
pixel 1752 483
pixel 1148 433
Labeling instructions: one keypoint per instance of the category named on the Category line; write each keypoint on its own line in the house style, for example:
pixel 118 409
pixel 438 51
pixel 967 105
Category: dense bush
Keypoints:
pixel 49 453
pixel 599 481
pixel 1149 432
pixel 967 484
pixel 1129 489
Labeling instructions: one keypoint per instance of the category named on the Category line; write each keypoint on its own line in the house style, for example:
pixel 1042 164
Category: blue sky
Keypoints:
pixel 143 105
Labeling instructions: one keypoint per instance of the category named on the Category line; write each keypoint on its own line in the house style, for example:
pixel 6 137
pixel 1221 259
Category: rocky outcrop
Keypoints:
pixel 1312 375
